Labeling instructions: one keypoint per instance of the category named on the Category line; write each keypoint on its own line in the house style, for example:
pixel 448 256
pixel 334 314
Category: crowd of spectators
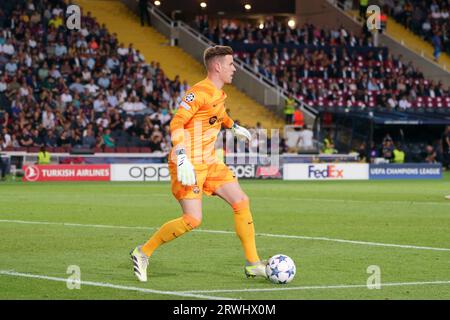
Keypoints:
pixel 275 32
pixel 396 152
pixel 428 18
pixel 331 68
pixel 84 89
pixel 70 89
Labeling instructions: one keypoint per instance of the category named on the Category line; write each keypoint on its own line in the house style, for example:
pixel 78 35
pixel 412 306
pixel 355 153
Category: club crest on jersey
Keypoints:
pixel 196 190
pixel 190 97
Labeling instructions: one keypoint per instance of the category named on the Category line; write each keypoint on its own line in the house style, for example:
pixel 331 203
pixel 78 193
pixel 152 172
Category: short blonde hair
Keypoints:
pixel 217 51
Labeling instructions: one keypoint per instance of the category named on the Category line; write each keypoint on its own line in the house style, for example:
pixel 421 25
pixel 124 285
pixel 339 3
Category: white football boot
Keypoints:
pixel 140 263
pixel 257 269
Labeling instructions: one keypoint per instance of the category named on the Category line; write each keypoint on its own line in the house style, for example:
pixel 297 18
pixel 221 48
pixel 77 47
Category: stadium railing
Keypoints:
pixel 260 88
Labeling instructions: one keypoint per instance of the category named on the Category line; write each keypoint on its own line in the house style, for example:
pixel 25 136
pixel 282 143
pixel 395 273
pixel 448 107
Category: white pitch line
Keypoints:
pixel 342 286
pixel 68 224
pixel 401 202
pixel 112 286
pixel 345 201
pixel 367 243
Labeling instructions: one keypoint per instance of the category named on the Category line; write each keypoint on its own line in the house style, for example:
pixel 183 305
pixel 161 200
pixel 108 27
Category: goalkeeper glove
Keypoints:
pixel 240 132
pixel 185 169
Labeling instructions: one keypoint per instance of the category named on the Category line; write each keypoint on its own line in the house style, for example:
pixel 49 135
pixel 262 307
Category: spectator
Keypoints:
pixel 143 12
pixel 64 140
pixel 116 124
pixel 43 156
pixel 330 149
pixel 36 137
pixel 89 138
pixel 7 141
pixel 107 139
pixel 436 41
pixel 404 104
pixel 363 4
pixel 50 139
pixel 399 154
pixel 328 145
pixel 146 136
pixel 362 152
pixel 430 154
pixel 305 139
pixel 155 142
pixel 26 140
pixel 289 108
pixel 299 119
pixel 388 149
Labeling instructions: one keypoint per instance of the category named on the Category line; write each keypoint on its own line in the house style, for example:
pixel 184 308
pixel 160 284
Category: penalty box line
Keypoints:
pixel 367 243
pixel 111 286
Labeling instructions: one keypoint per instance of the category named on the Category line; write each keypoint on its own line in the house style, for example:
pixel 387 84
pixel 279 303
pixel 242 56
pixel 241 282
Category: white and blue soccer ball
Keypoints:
pixel 280 269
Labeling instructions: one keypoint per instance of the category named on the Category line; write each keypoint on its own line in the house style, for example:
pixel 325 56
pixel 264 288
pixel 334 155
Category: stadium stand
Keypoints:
pixel 88 90
pixel 425 18
pixel 174 60
pixel 78 89
pixel 411 24
pixel 329 69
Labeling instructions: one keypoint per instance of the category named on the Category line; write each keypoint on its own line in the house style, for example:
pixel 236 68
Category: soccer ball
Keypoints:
pixel 280 269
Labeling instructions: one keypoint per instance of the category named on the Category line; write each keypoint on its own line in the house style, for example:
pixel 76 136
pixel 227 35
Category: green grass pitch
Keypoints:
pixel 403 227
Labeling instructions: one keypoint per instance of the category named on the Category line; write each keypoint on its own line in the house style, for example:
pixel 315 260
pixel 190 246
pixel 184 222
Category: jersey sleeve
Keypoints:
pixel 190 104
pixel 227 121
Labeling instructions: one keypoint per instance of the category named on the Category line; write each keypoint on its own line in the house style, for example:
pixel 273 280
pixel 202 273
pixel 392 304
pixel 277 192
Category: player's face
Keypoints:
pixel 227 69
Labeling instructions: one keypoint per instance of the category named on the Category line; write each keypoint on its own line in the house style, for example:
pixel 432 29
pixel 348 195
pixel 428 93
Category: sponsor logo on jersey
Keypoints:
pixel 212 120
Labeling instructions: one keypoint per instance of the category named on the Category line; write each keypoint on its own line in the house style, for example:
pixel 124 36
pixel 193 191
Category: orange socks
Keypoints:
pixel 169 231
pixel 245 229
pixel 243 221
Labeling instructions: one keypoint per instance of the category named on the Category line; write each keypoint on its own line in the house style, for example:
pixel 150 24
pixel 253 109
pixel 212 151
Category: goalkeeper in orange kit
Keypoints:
pixel 195 170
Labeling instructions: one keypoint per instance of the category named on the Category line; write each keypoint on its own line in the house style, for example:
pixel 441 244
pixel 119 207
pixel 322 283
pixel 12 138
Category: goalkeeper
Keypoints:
pixel 194 168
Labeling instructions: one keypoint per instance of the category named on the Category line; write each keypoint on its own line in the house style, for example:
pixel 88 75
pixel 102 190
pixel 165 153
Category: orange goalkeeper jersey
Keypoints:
pixel 198 121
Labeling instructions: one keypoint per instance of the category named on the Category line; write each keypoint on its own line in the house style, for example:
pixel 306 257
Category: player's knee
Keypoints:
pixel 240 203
pixel 191 221
pixel 244 198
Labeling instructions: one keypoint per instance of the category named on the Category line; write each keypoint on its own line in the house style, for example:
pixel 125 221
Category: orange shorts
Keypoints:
pixel 209 178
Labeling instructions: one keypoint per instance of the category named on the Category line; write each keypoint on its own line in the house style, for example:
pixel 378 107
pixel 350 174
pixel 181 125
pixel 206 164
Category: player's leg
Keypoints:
pixel 191 218
pixel 190 199
pixel 232 193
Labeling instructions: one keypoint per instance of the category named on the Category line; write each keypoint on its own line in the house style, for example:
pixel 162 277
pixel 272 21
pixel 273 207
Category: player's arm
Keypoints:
pixel 187 109
pixel 237 130
pixel 227 121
